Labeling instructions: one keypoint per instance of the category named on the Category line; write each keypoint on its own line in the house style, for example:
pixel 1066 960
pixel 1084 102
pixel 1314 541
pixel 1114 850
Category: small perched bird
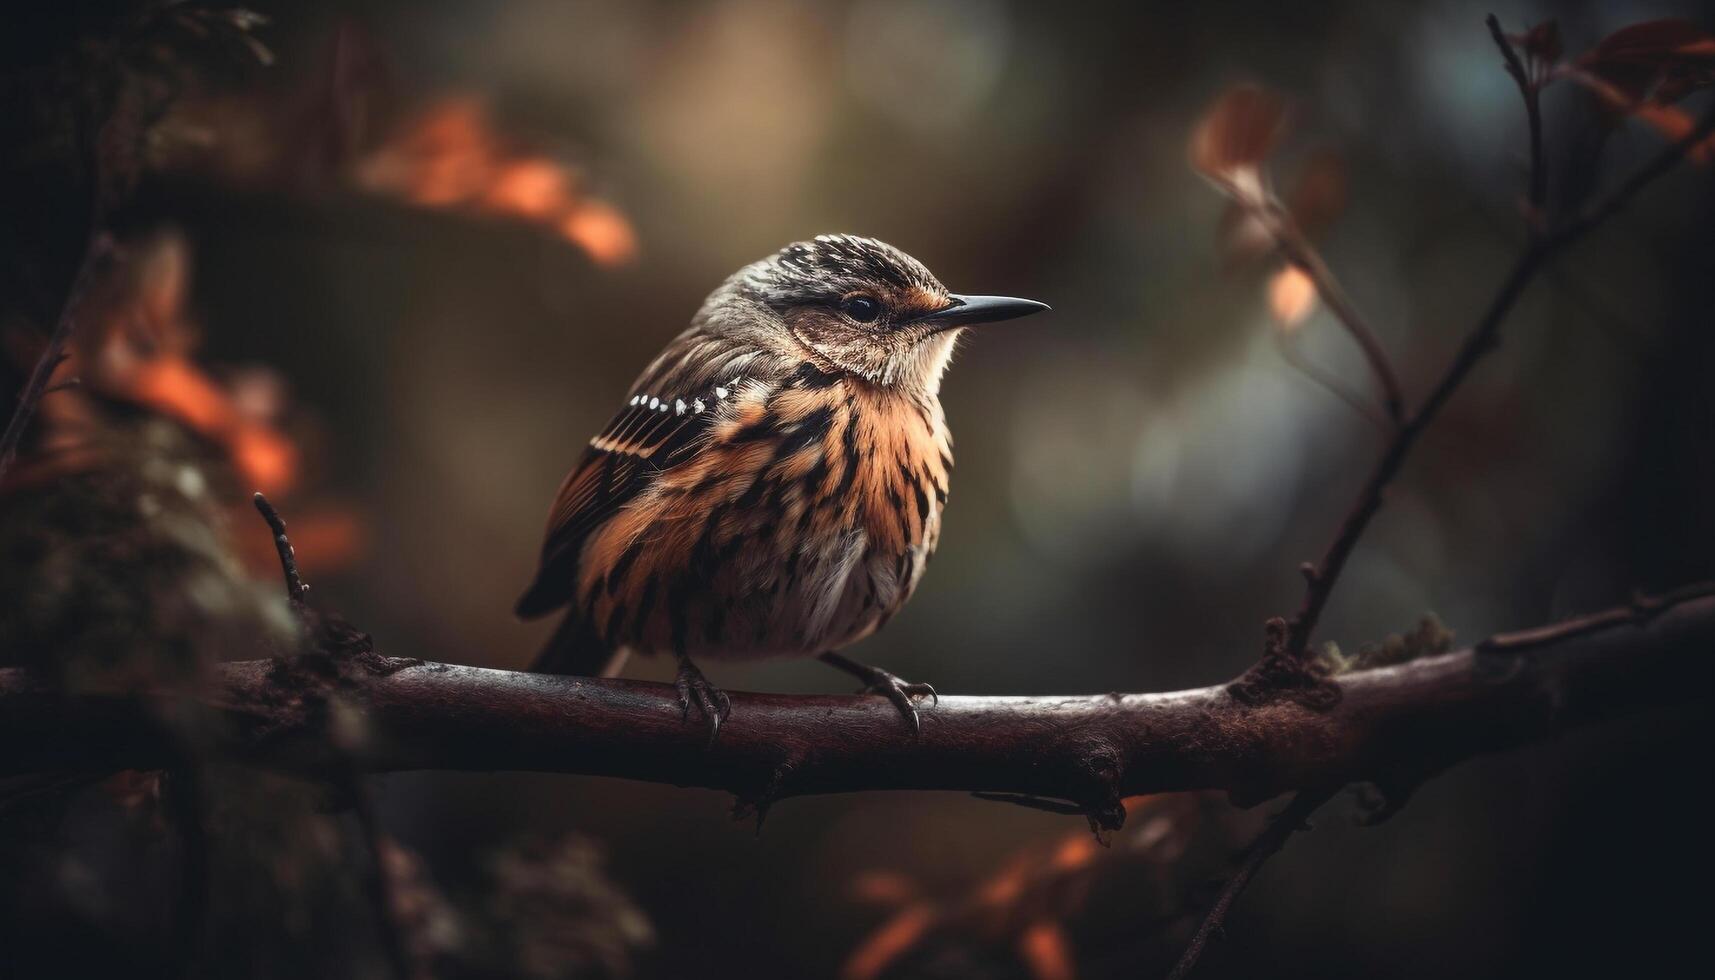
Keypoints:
pixel 773 483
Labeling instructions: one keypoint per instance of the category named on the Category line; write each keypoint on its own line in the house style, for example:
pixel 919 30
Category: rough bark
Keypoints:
pixel 1393 725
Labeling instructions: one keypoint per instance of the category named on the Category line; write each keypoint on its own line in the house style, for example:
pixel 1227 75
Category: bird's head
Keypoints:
pixel 858 306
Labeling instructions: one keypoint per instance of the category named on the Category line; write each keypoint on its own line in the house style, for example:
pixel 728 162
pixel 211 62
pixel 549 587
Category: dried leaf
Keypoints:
pixel 888 888
pixel 1671 121
pixel 1046 952
pixel 1291 296
pixel 1541 42
pixel 1676 124
pixel 1663 59
pixel 894 939
pixel 1235 137
pixel 454 156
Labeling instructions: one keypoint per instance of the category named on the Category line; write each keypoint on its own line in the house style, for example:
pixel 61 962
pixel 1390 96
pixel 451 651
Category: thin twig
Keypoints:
pixel 186 793
pixel 1642 609
pixel 1532 94
pixel 1326 380
pixel 1284 824
pixel 295 587
pixel 1622 195
pixel 376 881
pixel 1029 802
pixel 1483 338
pixel 100 244
pixel 1296 248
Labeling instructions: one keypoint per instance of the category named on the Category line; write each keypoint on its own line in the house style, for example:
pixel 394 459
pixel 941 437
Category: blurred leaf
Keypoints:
pixel 898 936
pixel 1235 137
pixel 1541 42
pixel 454 156
pixel 888 888
pixel 1660 59
pixel 1046 952
pixel 1671 121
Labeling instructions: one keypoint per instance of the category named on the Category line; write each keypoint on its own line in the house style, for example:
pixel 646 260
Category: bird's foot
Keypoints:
pixel 694 688
pixel 901 692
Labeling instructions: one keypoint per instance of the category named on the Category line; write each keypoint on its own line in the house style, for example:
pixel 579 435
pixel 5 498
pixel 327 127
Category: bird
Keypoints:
pixel 772 483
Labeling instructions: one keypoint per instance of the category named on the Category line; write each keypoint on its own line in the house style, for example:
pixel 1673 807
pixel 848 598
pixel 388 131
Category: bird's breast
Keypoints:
pixel 805 523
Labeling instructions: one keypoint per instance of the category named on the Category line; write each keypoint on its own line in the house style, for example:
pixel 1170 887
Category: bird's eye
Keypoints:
pixel 863 309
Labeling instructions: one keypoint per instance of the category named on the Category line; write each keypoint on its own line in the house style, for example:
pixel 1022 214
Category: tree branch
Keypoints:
pixel 1531 91
pixel 1274 837
pixel 1412 719
pixel 1484 337
pixel 1297 250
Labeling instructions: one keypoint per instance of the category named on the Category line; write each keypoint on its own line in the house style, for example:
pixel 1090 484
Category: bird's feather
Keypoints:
pixel 662 425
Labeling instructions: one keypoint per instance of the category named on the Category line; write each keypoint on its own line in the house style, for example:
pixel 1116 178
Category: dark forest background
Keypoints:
pixel 422 254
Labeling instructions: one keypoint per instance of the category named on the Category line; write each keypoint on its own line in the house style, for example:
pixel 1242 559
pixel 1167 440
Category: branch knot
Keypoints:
pixel 1282 675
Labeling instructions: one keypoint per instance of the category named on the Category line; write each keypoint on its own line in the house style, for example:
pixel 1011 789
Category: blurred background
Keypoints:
pixel 415 261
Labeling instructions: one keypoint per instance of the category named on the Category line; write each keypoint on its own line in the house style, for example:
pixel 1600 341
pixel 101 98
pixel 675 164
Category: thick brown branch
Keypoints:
pixel 1397 722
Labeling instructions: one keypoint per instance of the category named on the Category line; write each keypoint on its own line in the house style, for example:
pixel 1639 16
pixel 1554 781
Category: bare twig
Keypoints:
pixel 1283 825
pixel 1642 609
pixel 1531 91
pixel 1483 338
pixel 377 883
pixel 100 244
pixel 295 587
pixel 1296 248
pixel 185 792
pixel 1620 196
pixel 1326 380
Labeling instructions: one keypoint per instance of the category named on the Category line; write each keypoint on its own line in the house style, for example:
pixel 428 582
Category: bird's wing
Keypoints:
pixel 653 432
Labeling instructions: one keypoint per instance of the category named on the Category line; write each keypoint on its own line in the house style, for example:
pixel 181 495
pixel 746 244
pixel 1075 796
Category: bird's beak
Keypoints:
pixel 964 311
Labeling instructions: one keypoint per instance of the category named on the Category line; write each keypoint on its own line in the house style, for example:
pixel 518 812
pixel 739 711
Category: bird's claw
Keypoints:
pixel 694 688
pixel 903 694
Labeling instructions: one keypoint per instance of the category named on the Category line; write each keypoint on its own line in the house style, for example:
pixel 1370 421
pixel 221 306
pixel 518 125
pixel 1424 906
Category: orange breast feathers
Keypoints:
pixel 800 498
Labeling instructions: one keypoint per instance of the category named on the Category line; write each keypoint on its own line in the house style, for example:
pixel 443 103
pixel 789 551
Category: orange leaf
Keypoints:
pixel 1047 953
pixel 896 937
pixel 1669 58
pixel 1235 137
pixel 1676 124
pixel 884 888
pixel 1671 121
pixel 602 231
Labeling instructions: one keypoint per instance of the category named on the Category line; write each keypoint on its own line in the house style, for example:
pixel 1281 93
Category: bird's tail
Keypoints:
pixel 574 648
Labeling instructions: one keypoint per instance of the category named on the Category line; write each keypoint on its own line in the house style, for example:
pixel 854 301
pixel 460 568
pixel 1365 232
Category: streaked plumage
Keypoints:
pixel 772 484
